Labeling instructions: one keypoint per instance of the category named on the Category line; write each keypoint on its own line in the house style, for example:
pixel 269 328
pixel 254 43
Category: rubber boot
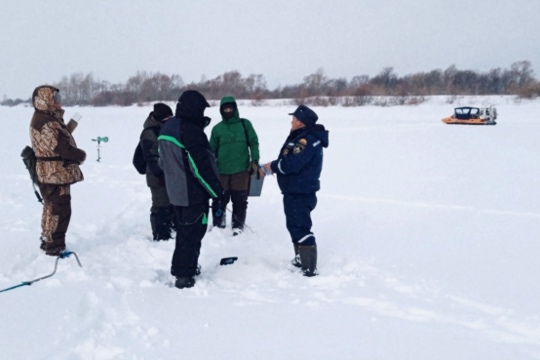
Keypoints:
pixel 296 260
pixel 308 258
pixel 239 200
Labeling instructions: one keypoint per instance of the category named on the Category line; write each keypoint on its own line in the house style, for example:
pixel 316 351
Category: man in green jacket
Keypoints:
pixel 236 147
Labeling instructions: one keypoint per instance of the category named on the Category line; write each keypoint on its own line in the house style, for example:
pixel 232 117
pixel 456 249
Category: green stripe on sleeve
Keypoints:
pixel 191 161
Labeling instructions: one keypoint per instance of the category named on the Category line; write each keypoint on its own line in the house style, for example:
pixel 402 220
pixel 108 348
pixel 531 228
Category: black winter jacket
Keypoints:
pixel 188 163
pixel 149 146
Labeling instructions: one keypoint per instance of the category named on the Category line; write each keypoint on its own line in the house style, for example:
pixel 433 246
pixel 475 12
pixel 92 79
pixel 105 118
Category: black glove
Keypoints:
pixel 216 201
pixel 253 167
pixel 217 209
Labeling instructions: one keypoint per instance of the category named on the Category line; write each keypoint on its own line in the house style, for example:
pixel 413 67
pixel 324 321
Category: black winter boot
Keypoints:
pixel 184 282
pixel 163 224
pixel 239 200
pixel 296 260
pixel 308 259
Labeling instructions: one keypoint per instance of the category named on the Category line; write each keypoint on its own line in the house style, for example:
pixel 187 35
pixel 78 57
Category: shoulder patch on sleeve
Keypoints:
pixel 300 146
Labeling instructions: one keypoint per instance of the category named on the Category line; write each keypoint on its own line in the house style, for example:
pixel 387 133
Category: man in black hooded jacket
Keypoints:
pixel 161 212
pixel 191 178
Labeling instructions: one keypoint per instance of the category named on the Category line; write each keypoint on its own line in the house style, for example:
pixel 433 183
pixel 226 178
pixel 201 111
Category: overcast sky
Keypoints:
pixel 285 40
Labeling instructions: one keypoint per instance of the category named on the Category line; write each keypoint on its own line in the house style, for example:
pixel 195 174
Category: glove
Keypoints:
pixel 216 201
pixel 253 167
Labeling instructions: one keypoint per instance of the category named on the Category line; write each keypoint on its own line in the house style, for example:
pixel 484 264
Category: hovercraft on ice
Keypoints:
pixel 468 115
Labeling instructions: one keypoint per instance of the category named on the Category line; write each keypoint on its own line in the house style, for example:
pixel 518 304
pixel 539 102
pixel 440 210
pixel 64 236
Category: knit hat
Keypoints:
pixel 162 111
pixel 305 115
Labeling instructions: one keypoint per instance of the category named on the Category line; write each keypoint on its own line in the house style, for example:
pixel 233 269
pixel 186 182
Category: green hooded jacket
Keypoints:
pixel 230 144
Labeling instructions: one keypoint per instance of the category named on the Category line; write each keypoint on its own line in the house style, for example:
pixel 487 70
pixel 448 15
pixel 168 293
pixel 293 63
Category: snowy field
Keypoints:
pixel 428 236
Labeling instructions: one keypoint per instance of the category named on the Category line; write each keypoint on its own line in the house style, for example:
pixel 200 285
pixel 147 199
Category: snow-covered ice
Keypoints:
pixel 428 239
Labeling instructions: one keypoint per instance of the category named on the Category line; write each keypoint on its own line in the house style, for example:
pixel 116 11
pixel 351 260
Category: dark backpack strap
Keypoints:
pixel 245 131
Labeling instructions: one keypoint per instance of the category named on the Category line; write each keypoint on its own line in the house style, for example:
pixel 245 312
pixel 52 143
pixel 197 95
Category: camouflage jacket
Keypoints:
pixel 56 150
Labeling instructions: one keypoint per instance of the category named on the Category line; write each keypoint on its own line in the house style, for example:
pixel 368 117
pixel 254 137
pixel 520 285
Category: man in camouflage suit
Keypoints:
pixel 58 160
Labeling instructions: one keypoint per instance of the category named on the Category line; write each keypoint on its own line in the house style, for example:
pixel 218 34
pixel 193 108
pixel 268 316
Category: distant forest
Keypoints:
pixel 386 88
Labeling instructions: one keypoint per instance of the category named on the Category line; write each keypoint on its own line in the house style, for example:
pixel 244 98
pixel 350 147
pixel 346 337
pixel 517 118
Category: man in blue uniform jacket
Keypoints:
pixel 298 170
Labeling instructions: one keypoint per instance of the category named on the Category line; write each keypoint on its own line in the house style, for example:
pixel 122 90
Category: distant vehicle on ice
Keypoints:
pixel 468 115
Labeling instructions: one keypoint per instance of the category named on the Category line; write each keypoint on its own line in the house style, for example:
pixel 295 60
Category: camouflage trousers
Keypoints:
pixel 55 217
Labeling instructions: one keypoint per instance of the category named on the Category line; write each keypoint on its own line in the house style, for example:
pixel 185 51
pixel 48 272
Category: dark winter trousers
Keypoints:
pixel 162 217
pixel 298 209
pixel 55 217
pixel 191 222
pixel 235 188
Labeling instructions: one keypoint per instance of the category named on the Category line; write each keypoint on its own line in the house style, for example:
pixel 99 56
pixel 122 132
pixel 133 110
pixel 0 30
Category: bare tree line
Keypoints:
pixel 316 88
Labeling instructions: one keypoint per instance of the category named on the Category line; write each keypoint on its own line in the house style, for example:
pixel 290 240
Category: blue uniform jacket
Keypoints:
pixel 300 160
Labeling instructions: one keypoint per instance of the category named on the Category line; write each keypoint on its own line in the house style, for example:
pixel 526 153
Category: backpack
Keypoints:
pixel 30 160
pixel 138 159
